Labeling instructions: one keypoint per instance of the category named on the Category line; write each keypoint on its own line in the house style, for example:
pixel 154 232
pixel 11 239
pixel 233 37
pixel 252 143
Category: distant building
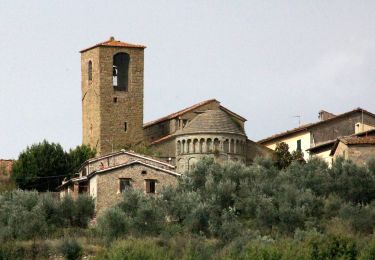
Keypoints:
pixel 105 178
pixel 319 137
pixel 5 168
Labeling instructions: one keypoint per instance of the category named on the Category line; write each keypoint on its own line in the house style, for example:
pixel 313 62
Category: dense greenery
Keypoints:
pixel 323 208
pixel 303 211
pixel 28 215
pixel 43 166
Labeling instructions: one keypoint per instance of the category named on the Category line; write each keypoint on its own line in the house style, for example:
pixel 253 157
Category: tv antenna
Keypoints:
pixel 299 119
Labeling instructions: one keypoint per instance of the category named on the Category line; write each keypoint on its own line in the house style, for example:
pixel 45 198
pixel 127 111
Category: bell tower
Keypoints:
pixel 112 95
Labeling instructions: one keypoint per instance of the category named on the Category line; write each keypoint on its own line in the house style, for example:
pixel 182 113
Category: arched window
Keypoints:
pixel 89 70
pixel 121 71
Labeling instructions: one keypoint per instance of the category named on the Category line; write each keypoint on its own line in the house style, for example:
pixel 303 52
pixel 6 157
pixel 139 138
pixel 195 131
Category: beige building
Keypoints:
pixel 318 138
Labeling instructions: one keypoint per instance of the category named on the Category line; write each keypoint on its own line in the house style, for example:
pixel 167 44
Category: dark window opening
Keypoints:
pixel 144 172
pixel 125 184
pixel 120 71
pixel 89 70
pixel 125 126
pixel 299 145
pixel 115 100
pixel 150 186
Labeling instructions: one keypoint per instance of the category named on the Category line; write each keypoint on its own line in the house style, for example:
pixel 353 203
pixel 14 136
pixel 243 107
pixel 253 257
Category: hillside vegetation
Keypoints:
pixel 304 211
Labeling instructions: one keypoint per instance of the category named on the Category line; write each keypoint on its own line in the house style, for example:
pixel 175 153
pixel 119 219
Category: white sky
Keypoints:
pixel 265 60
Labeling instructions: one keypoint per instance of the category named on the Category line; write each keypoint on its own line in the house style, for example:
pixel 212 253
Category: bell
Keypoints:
pixel 114 71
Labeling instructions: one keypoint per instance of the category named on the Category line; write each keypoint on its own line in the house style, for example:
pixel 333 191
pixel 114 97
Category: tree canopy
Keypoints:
pixel 44 165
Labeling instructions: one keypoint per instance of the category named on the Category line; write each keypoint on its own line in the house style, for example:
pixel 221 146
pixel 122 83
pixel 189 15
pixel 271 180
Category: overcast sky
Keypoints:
pixel 265 60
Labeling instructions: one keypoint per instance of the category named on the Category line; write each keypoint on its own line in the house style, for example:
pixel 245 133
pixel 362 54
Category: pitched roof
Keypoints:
pixel 128 153
pixel 113 43
pixel 350 140
pixel 179 113
pixel 132 163
pixel 358 140
pixel 310 125
pixel 212 121
pixel 162 139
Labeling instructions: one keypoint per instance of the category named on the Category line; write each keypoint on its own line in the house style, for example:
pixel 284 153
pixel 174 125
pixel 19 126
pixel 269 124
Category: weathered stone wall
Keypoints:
pixel 338 127
pixel 166 149
pixel 341 151
pixel 108 184
pixel 105 110
pixel 254 150
pixel 360 154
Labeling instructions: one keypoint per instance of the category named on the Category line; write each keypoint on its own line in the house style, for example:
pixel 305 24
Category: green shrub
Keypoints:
pixel 113 224
pixel 71 249
pixel 135 249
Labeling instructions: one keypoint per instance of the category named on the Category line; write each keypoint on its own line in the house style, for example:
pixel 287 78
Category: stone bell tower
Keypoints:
pixel 112 95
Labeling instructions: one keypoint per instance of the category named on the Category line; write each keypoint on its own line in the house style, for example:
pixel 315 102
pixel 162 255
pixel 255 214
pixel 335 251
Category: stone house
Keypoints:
pixel 105 178
pixel 357 149
pixel 318 138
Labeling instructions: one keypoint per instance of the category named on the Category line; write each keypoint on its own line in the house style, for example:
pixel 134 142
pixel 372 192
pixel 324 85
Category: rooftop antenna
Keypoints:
pixel 299 119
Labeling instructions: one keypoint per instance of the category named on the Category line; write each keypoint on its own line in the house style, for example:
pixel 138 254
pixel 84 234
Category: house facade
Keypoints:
pixel 105 178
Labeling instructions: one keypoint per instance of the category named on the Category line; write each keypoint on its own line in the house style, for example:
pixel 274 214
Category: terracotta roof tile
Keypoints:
pixel 358 140
pixel 113 43
pixel 162 139
pixel 179 113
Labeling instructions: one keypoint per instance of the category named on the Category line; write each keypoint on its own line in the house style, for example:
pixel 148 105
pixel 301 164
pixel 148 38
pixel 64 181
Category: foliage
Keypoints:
pixel 44 165
pixel 28 215
pixel 71 249
pixel 283 158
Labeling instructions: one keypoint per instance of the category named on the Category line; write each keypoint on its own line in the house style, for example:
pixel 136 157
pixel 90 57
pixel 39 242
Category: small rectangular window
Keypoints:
pixel 115 100
pixel 299 145
pixel 125 126
pixel 150 186
pixel 125 184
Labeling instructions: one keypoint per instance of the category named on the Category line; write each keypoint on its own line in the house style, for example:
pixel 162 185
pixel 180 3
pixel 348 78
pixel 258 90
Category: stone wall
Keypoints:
pixel 108 183
pixel 254 150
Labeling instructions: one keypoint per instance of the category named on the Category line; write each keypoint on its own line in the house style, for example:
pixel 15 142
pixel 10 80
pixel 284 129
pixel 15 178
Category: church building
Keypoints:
pixel 112 83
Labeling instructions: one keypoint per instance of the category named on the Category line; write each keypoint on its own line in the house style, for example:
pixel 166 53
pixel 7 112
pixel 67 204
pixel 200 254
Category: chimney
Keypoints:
pixel 324 115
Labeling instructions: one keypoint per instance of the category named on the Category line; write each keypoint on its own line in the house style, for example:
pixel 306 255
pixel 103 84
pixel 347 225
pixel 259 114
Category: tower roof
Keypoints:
pixel 213 121
pixel 114 43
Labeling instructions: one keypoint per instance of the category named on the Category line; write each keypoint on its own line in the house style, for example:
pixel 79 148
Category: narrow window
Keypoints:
pixel 89 70
pixel 125 184
pixel 125 126
pixel 299 145
pixel 150 186
pixel 120 71
pixel 115 100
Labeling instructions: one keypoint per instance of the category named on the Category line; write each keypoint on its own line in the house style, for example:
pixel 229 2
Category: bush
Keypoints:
pixel 71 249
pixel 113 224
